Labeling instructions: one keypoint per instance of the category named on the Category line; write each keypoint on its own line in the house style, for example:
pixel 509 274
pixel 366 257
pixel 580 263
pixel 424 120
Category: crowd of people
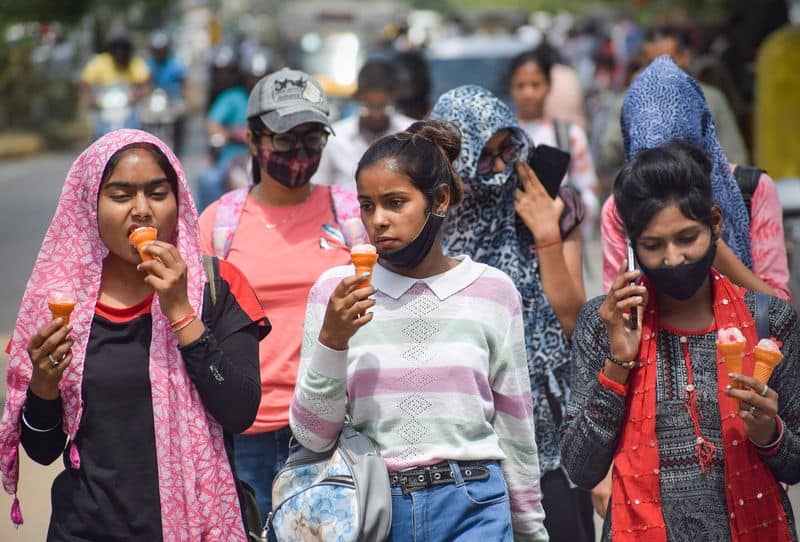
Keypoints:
pixel 174 389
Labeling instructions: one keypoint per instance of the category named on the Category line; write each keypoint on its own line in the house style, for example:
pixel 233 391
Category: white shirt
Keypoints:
pixel 343 151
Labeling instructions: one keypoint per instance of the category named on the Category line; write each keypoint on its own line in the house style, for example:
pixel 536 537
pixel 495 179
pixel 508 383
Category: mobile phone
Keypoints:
pixel 632 267
pixel 550 165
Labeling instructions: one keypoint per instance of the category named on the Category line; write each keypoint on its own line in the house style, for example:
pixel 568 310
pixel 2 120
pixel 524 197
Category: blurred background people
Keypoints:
pixel 529 84
pixel 112 83
pixel 168 74
pixel 376 117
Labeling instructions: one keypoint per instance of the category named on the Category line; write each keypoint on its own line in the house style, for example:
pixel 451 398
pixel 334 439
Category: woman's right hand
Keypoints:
pixel 623 341
pixel 346 312
pixel 48 345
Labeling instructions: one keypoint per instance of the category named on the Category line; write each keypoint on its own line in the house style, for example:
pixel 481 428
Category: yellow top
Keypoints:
pixel 102 71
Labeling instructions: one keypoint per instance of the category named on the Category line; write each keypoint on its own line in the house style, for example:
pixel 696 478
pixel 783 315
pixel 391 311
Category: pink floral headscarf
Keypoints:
pixel 196 485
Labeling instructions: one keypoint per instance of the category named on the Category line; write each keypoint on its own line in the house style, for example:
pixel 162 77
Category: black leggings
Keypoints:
pixel 569 514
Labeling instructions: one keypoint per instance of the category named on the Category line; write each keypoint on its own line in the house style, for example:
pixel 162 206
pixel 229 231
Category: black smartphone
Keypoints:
pixel 550 164
pixel 632 267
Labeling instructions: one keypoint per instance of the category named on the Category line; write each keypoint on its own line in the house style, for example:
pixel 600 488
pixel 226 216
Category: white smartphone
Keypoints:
pixel 632 267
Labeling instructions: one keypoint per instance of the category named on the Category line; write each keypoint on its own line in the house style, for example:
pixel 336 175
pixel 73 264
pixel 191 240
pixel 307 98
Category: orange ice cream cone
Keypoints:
pixel 140 237
pixel 364 258
pixel 61 305
pixel 731 344
pixel 768 355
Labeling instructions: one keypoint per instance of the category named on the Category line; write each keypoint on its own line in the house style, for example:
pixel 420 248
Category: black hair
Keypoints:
pixel 424 153
pixel 376 75
pixel 675 173
pixel 159 157
pixel 663 32
pixel 539 56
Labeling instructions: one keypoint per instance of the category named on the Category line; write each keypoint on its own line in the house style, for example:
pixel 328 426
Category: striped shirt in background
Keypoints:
pixel 439 373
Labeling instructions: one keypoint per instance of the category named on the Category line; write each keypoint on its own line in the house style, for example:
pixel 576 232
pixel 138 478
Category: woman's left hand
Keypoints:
pixel 757 409
pixel 534 205
pixel 166 273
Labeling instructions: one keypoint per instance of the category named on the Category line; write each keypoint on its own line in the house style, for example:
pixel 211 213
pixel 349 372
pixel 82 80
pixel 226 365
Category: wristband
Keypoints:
pixel 35 429
pixel 778 439
pixel 624 364
pixel 183 321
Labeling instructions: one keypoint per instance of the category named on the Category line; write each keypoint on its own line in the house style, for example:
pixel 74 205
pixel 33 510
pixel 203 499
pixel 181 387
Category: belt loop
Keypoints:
pixel 456 472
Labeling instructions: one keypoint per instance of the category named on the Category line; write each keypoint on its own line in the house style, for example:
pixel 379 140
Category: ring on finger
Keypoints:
pixel 53 361
pixel 764 391
pixel 752 410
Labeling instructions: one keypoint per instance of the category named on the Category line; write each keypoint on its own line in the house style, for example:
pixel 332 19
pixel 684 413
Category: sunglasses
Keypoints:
pixel 314 140
pixel 508 152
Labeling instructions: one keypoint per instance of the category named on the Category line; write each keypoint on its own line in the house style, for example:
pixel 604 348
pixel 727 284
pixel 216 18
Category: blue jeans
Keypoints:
pixel 477 510
pixel 258 459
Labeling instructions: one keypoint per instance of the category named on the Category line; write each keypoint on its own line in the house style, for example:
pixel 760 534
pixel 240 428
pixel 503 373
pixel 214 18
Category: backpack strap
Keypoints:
pixel 562 135
pixel 747 178
pixel 347 213
pixel 210 268
pixel 762 315
pixel 229 213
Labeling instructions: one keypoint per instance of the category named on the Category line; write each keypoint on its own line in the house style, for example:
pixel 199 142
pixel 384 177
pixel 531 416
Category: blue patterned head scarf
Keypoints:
pixel 665 103
pixel 486 227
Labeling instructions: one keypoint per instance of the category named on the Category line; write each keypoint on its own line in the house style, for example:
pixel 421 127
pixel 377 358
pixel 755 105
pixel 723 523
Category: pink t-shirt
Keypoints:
pixel 766 239
pixel 282 251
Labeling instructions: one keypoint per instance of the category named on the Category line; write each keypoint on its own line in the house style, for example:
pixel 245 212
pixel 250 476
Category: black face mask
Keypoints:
pixel 681 281
pixel 413 253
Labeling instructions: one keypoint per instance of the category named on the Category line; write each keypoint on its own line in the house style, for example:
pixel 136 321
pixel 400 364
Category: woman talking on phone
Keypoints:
pixel 689 462
pixel 508 220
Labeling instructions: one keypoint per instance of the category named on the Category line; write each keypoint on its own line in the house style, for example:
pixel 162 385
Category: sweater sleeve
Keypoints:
pixel 319 403
pixel 42 436
pixel 768 247
pixel 513 424
pixel 612 238
pixel 785 380
pixel 596 408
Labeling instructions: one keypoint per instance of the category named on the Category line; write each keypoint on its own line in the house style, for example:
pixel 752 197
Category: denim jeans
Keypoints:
pixel 258 459
pixel 477 510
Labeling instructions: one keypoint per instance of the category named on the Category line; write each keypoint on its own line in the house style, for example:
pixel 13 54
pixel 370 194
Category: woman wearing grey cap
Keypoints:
pixel 283 232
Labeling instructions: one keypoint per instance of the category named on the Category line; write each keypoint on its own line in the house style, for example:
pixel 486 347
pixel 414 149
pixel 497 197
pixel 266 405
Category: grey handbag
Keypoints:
pixel 342 494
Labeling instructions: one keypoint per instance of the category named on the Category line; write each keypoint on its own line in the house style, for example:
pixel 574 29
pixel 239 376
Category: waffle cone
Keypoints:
pixel 364 263
pixel 140 237
pixel 766 360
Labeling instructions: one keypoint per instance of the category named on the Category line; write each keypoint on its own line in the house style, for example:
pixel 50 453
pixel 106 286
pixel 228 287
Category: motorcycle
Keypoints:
pixel 113 110
pixel 161 115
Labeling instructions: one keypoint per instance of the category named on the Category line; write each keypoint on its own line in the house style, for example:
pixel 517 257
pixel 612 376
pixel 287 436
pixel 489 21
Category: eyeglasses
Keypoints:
pixel 314 140
pixel 506 154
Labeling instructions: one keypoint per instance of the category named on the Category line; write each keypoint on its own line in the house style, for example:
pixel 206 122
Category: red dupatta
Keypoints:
pixel 753 496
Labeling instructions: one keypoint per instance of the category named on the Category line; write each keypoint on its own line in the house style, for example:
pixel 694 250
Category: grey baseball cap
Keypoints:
pixel 287 98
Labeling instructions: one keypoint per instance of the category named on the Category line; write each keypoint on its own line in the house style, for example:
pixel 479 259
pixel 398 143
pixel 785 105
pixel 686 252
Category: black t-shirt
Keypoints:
pixel 114 495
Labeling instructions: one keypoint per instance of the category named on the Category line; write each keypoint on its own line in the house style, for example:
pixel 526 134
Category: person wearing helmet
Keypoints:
pixel 117 66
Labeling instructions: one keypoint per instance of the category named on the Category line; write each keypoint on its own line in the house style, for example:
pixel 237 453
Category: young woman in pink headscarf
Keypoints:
pixel 143 388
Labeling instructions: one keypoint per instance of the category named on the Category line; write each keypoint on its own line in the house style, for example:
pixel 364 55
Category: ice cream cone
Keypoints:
pixel 731 344
pixel 768 355
pixel 140 237
pixel 61 305
pixel 364 258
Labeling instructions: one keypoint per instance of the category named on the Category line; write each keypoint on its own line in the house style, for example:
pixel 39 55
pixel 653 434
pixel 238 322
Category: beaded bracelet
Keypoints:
pixel 624 364
pixel 183 321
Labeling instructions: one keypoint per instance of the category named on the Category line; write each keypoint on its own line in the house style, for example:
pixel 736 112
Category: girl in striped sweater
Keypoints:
pixel 429 360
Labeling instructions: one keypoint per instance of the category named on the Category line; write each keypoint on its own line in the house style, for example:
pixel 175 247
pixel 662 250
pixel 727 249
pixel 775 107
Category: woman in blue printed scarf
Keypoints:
pixel 508 220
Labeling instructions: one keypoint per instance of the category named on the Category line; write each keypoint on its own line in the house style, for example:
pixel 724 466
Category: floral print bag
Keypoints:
pixel 342 495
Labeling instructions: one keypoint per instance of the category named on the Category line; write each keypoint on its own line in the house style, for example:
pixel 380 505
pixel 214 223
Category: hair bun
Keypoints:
pixel 444 135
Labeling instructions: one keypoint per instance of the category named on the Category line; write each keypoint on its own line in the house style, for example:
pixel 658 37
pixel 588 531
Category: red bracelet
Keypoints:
pixel 183 321
pixel 545 245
